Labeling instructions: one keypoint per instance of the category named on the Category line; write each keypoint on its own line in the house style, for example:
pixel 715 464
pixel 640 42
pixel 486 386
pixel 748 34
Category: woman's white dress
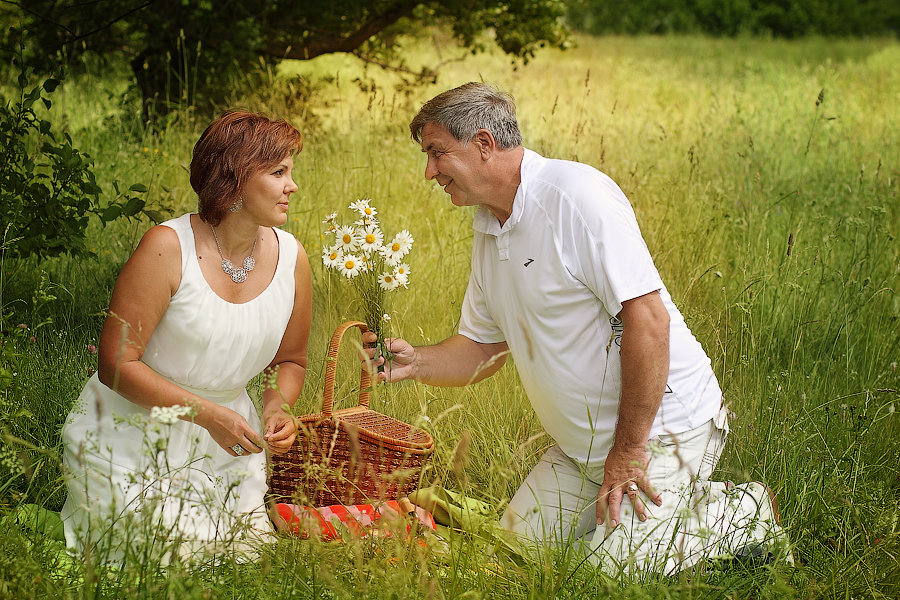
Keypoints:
pixel 133 477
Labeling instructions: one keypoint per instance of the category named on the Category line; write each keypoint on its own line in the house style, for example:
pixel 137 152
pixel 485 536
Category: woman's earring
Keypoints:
pixel 236 205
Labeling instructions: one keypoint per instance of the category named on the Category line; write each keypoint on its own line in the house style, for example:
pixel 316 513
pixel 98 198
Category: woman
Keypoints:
pixel 164 442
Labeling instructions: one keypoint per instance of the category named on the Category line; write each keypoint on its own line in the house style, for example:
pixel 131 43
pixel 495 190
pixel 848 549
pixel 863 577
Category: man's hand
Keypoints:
pixel 456 361
pixel 402 364
pixel 624 473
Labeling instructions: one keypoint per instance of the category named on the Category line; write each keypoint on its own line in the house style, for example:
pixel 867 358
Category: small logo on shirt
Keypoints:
pixel 529 261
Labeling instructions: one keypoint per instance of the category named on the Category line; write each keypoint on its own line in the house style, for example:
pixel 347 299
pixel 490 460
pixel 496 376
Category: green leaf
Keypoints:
pixel 133 207
pixel 138 187
pixel 46 102
pixel 91 188
pixel 111 213
pixel 155 216
pixel 50 85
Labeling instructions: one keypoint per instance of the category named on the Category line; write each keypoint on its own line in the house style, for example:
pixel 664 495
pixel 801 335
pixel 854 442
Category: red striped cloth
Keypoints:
pixel 330 522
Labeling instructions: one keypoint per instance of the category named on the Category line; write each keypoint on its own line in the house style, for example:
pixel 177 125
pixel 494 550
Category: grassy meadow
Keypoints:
pixel 764 175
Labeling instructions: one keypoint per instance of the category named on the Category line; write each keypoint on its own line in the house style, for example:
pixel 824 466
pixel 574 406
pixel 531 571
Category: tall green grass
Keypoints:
pixel 765 179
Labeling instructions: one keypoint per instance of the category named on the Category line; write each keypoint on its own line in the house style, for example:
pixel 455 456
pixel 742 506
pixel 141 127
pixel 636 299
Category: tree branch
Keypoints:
pixel 76 37
pixel 325 44
pixel 425 73
pixel 109 24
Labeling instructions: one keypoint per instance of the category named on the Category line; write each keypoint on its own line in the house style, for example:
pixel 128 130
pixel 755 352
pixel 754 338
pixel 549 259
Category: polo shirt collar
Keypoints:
pixel 485 221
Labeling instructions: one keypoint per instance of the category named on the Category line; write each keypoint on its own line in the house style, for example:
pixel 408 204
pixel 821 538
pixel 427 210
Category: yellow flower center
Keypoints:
pixel 401 271
pixel 333 256
pixel 349 264
pixel 347 239
pixel 368 211
pixel 395 247
pixel 370 238
pixel 388 278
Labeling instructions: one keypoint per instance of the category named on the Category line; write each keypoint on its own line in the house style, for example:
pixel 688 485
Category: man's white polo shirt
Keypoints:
pixel 551 281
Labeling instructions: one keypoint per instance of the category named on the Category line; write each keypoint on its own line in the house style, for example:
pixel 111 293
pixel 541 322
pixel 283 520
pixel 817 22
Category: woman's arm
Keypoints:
pixel 289 364
pixel 140 298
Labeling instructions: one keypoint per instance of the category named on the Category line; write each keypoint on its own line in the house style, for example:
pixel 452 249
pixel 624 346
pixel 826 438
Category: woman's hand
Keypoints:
pixel 281 430
pixel 229 429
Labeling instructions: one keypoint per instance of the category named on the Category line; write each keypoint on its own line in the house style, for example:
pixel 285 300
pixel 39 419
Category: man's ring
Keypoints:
pixel 238 449
pixel 633 487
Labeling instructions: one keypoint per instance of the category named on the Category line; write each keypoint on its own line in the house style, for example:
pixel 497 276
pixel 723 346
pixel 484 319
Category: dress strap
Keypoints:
pixel 182 227
pixel 287 251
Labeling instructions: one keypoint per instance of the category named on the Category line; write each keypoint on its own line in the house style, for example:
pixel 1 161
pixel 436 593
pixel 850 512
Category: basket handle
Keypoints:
pixel 331 366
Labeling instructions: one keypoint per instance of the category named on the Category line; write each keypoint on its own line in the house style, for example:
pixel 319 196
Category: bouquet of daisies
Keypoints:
pixel 359 253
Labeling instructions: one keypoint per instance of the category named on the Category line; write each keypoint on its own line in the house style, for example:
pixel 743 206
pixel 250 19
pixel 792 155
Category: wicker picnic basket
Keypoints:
pixel 351 455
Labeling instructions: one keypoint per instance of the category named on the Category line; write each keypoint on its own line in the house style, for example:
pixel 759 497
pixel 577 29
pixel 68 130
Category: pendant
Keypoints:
pixel 238 274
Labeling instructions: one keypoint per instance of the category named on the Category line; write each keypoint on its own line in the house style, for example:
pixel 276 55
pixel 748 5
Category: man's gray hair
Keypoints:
pixel 464 110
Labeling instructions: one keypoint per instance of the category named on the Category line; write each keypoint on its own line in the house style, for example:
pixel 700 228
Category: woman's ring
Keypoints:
pixel 633 487
pixel 238 449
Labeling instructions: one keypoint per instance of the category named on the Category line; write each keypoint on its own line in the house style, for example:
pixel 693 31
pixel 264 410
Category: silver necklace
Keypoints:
pixel 237 274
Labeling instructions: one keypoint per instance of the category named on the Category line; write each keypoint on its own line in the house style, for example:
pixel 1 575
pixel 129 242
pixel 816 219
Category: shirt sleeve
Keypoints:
pixel 604 248
pixel 476 322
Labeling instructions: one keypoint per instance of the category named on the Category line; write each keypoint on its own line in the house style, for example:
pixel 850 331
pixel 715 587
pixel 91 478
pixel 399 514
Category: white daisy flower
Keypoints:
pixel 401 273
pixel 366 222
pixel 370 239
pixel 363 207
pixel 399 247
pixel 351 266
pixel 332 257
pixel 329 222
pixel 388 282
pixel 346 238
pixel 367 264
pixel 405 239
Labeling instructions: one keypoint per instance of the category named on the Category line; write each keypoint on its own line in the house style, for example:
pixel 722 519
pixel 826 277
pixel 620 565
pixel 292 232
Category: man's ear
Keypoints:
pixel 485 141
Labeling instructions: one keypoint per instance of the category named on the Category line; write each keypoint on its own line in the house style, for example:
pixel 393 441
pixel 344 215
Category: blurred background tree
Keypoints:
pixel 779 18
pixel 181 52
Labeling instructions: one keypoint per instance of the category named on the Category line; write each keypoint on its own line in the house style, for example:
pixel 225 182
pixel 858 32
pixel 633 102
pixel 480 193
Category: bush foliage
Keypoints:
pixel 47 187
pixel 779 18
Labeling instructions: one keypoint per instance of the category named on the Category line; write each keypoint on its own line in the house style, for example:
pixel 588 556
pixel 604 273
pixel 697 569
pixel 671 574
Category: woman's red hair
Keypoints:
pixel 234 148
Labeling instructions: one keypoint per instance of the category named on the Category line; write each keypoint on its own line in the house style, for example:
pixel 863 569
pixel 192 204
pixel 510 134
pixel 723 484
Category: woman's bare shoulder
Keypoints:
pixel 157 257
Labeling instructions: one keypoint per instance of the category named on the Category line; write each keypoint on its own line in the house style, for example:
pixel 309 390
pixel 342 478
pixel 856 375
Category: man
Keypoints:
pixel 562 280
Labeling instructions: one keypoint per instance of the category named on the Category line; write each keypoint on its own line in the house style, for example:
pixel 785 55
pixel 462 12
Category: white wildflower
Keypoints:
pixel 168 415
pixel 368 265
pixel 346 238
pixel 329 222
pixel 351 266
pixel 399 247
pixel 401 273
pixel 332 257
pixel 365 209
pixel 366 222
pixel 388 282
pixel 370 239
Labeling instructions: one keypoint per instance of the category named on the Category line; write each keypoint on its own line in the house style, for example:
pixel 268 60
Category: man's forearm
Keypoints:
pixel 458 361
pixel 645 370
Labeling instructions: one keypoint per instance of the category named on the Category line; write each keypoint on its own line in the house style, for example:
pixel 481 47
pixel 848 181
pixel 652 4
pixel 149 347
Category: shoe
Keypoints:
pixel 767 539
